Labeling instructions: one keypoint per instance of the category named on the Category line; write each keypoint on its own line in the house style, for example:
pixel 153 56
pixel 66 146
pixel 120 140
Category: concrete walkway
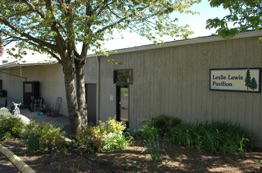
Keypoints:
pixel 62 121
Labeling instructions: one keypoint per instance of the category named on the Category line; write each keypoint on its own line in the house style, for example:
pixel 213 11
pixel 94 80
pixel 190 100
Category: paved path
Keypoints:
pixel 62 121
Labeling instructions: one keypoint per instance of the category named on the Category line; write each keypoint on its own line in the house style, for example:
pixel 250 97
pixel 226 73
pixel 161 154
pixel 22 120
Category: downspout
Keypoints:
pixel 21 71
pixel 98 90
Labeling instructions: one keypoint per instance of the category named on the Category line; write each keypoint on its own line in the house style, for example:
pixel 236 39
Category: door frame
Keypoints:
pixel 118 100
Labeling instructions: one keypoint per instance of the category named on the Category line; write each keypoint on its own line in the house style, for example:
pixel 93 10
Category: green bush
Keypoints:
pixel 115 142
pixel 106 136
pixel 11 127
pixel 215 136
pixel 4 112
pixel 155 134
pixel 43 137
pixel 164 123
pixel 183 134
pixel 154 144
pixel 88 140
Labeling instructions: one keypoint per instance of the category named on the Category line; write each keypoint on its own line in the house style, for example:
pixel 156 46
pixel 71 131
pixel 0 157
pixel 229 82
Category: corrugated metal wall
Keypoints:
pixel 175 81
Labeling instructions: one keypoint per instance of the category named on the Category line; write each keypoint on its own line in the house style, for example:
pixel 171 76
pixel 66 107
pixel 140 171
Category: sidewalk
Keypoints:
pixel 62 121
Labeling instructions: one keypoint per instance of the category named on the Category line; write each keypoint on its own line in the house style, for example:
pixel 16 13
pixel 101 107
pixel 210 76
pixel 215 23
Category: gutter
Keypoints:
pixel 9 65
pixel 19 64
pixel 23 64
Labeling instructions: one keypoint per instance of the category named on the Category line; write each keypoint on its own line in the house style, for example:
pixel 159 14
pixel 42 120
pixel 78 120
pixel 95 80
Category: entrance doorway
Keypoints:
pixel 91 102
pixel 31 90
pixel 122 104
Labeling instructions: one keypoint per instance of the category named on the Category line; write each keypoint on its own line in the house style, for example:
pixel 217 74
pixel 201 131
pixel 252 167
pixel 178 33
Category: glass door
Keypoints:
pixel 123 104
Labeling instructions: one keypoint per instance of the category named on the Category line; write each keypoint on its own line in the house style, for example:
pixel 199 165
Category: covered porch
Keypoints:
pixel 61 121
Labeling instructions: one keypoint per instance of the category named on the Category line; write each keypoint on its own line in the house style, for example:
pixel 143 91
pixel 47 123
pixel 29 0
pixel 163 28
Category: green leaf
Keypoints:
pixel 245 15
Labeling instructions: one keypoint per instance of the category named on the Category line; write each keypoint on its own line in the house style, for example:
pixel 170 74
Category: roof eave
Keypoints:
pixel 23 64
pixel 197 40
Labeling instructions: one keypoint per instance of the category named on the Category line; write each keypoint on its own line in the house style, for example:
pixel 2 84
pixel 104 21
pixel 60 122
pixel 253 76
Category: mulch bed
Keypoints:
pixel 134 159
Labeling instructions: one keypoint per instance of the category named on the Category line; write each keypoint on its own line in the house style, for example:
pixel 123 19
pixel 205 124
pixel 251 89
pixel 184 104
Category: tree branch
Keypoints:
pixel 31 6
pixel 28 36
pixel 100 9
pixel 110 26
pixel 46 50
pixel 59 39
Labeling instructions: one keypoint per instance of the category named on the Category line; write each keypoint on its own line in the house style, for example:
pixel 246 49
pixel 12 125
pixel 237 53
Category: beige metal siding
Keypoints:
pixel 107 91
pixel 91 71
pixel 51 83
pixel 13 84
pixel 175 81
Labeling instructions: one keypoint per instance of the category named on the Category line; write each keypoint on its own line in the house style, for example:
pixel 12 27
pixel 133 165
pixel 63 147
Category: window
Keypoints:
pixel 123 76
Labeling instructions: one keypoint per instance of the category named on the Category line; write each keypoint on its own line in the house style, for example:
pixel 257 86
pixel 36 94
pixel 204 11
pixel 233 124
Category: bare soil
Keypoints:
pixel 134 160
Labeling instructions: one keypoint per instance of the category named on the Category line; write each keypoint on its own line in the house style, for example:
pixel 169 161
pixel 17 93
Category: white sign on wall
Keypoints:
pixel 244 79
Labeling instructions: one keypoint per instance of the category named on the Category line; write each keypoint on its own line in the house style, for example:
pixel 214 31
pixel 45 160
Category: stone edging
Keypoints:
pixel 19 163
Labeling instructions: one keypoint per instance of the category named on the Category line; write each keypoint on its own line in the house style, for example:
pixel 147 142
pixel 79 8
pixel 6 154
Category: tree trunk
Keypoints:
pixel 70 89
pixel 73 69
pixel 81 93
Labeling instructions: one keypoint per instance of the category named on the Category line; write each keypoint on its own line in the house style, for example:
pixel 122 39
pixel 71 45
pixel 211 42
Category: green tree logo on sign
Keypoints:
pixel 250 83
pixel 253 85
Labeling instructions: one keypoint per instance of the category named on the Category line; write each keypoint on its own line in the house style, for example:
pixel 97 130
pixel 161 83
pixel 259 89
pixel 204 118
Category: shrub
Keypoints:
pixel 113 126
pixel 215 136
pixel 11 127
pixel 4 112
pixel 154 144
pixel 183 134
pixel 164 123
pixel 88 140
pixel 115 142
pixel 155 134
pixel 43 137
pixel 106 136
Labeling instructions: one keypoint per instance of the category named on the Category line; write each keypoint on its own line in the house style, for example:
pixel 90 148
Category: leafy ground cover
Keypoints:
pixel 133 159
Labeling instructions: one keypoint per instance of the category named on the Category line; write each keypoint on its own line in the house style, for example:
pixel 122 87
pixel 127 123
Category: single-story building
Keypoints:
pixel 200 79
pixel 20 80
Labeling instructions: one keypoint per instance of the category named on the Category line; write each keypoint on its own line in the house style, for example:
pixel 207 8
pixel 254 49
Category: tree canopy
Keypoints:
pixel 57 27
pixel 39 24
pixel 243 15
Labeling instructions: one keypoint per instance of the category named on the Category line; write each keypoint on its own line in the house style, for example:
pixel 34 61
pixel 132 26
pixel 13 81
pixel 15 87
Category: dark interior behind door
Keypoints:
pixel 122 102
pixel 91 102
pixel 30 89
